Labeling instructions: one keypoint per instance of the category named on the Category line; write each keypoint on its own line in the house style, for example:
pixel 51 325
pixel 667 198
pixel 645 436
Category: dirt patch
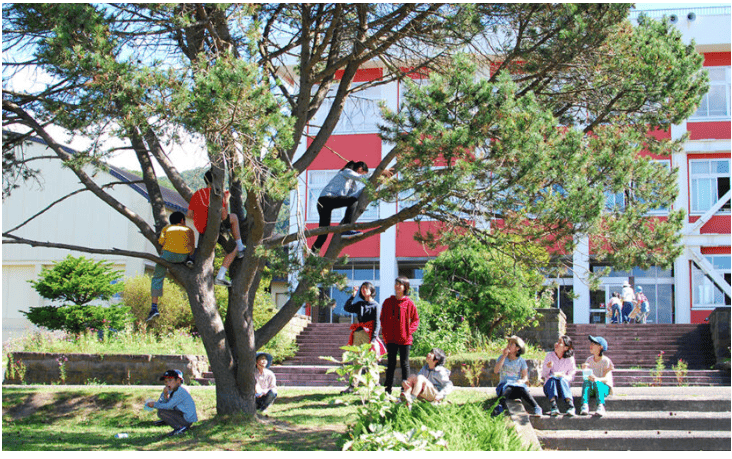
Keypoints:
pixel 30 405
pixel 323 438
pixel 55 404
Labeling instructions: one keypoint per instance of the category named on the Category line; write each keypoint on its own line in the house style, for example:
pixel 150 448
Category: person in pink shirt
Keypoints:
pixel 558 370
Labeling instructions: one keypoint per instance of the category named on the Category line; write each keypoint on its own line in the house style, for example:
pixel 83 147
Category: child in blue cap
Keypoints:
pixel 599 383
pixel 175 406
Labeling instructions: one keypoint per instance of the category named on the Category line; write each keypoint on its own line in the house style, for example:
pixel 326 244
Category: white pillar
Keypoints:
pixel 581 270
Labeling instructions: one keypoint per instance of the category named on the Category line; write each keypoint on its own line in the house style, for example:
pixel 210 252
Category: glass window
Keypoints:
pixel 361 112
pixel 705 293
pixel 709 182
pixel 715 104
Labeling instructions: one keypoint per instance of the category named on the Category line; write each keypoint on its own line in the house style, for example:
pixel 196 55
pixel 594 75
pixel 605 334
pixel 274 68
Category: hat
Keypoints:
pixel 599 340
pixel 626 284
pixel 519 342
pixel 172 374
pixel 639 289
pixel 269 358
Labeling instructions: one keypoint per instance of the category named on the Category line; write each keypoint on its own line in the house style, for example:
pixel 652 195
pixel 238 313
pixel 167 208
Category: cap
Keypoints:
pixel 639 289
pixel 519 342
pixel 626 284
pixel 599 340
pixel 172 374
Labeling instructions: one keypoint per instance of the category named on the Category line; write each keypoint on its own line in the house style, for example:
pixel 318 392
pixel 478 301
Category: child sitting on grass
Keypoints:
pixel 599 383
pixel 514 376
pixel 175 406
pixel 432 383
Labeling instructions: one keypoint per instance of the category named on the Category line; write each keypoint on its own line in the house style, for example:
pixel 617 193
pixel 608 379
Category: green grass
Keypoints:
pixel 62 418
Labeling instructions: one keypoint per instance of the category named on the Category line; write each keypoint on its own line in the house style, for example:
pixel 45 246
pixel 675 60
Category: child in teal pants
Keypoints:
pixel 599 383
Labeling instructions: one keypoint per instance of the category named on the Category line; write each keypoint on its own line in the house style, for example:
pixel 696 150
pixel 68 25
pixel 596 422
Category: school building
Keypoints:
pixel 699 280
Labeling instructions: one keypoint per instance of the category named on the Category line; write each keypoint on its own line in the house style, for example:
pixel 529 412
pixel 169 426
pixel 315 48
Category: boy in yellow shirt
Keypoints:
pixel 178 244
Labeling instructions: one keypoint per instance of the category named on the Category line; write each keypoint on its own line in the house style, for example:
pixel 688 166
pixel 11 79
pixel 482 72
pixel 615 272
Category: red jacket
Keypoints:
pixel 399 320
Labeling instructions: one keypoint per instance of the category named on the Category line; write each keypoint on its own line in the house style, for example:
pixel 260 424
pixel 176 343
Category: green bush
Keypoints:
pixel 76 318
pixel 441 328
pixel 175 311
pixel 78 280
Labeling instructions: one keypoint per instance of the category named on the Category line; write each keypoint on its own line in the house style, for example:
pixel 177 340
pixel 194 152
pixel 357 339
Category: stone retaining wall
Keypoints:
pixel 47 368
pixel 462 374
pixel 719 325
pixel 552 323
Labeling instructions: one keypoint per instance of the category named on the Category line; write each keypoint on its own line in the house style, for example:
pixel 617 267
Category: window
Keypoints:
pixel 715 104
pixel 706 294
pixel 616 201
pixel 317 180
pixel 361 112
pixel 709 182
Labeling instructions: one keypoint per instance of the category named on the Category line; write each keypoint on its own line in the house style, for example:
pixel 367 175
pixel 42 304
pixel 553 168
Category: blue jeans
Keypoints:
pixel 627 309
pixel 615 318
pixel 557 388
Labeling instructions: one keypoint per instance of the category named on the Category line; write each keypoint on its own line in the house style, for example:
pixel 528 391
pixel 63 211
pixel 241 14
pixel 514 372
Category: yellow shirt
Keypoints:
pixel 176 238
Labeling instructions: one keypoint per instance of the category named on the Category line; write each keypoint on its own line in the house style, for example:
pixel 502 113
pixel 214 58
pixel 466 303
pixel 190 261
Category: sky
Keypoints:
pixel 190 154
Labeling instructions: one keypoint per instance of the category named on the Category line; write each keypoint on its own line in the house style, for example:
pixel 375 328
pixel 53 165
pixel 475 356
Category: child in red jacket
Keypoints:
pixel 399 320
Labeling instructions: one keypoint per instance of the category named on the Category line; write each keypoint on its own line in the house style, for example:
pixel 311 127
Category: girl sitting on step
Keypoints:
pixel 558 370
pixel 598 381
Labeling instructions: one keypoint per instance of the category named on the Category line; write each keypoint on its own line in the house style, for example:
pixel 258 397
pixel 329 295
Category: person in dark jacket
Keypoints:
pixel 399 321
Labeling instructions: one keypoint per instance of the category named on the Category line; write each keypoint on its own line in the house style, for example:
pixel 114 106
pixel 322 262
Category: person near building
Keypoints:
pixel 265 388
pixel 628 301
pixel 598 381
pixel 399 321
pixel 177 240
pixel 175 406
pixel 432 383
pixel 514 376
pixel 558 371
pixel 198 211
pixel 641 302
pixel 613 307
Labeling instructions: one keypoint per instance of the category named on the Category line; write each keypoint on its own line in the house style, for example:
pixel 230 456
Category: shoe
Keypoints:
pixel 240 253
pixel 570 412
pixel 585 410
pixel 224 282
pixel 350 234
pixel 406 398
pixel 600 411
pixel 554 411
pixel 537 412
pixel 189 263
pixel 153 314
pixel 179 431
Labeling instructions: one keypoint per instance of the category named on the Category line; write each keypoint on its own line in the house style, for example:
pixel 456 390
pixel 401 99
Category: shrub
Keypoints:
pixel 441 328
pixel 78 280
pixel 175 311
pixel 77 318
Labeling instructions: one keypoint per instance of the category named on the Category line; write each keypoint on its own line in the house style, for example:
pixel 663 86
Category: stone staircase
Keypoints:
pixel 634 348
pixel 642 419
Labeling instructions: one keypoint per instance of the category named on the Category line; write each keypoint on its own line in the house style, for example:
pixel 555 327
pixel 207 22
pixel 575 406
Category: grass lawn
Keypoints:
pixel 86 418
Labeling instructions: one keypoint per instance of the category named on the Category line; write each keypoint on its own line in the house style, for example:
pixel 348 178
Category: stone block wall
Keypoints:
pixel 462 373
pixel 46 368
pixel 552 323
pixel 719 325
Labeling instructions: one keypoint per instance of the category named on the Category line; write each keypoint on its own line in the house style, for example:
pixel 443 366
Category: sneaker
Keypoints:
pixel 537 412
pixel 189 263
pixel 554 411
pixel 350 234
pixel 585 410
pixel 600 411
pixel 225 282
pixel 240 253
pixel 179 430
pixel 153 314
pixel 570 412
pixel 406 398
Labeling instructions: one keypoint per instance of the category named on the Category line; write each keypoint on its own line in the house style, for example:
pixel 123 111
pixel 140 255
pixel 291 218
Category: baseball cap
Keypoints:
pixel 172 374
pixel 599 340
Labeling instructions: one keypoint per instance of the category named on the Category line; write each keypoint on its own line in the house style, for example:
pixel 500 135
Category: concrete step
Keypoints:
pixel 639 440
pixel 639 420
